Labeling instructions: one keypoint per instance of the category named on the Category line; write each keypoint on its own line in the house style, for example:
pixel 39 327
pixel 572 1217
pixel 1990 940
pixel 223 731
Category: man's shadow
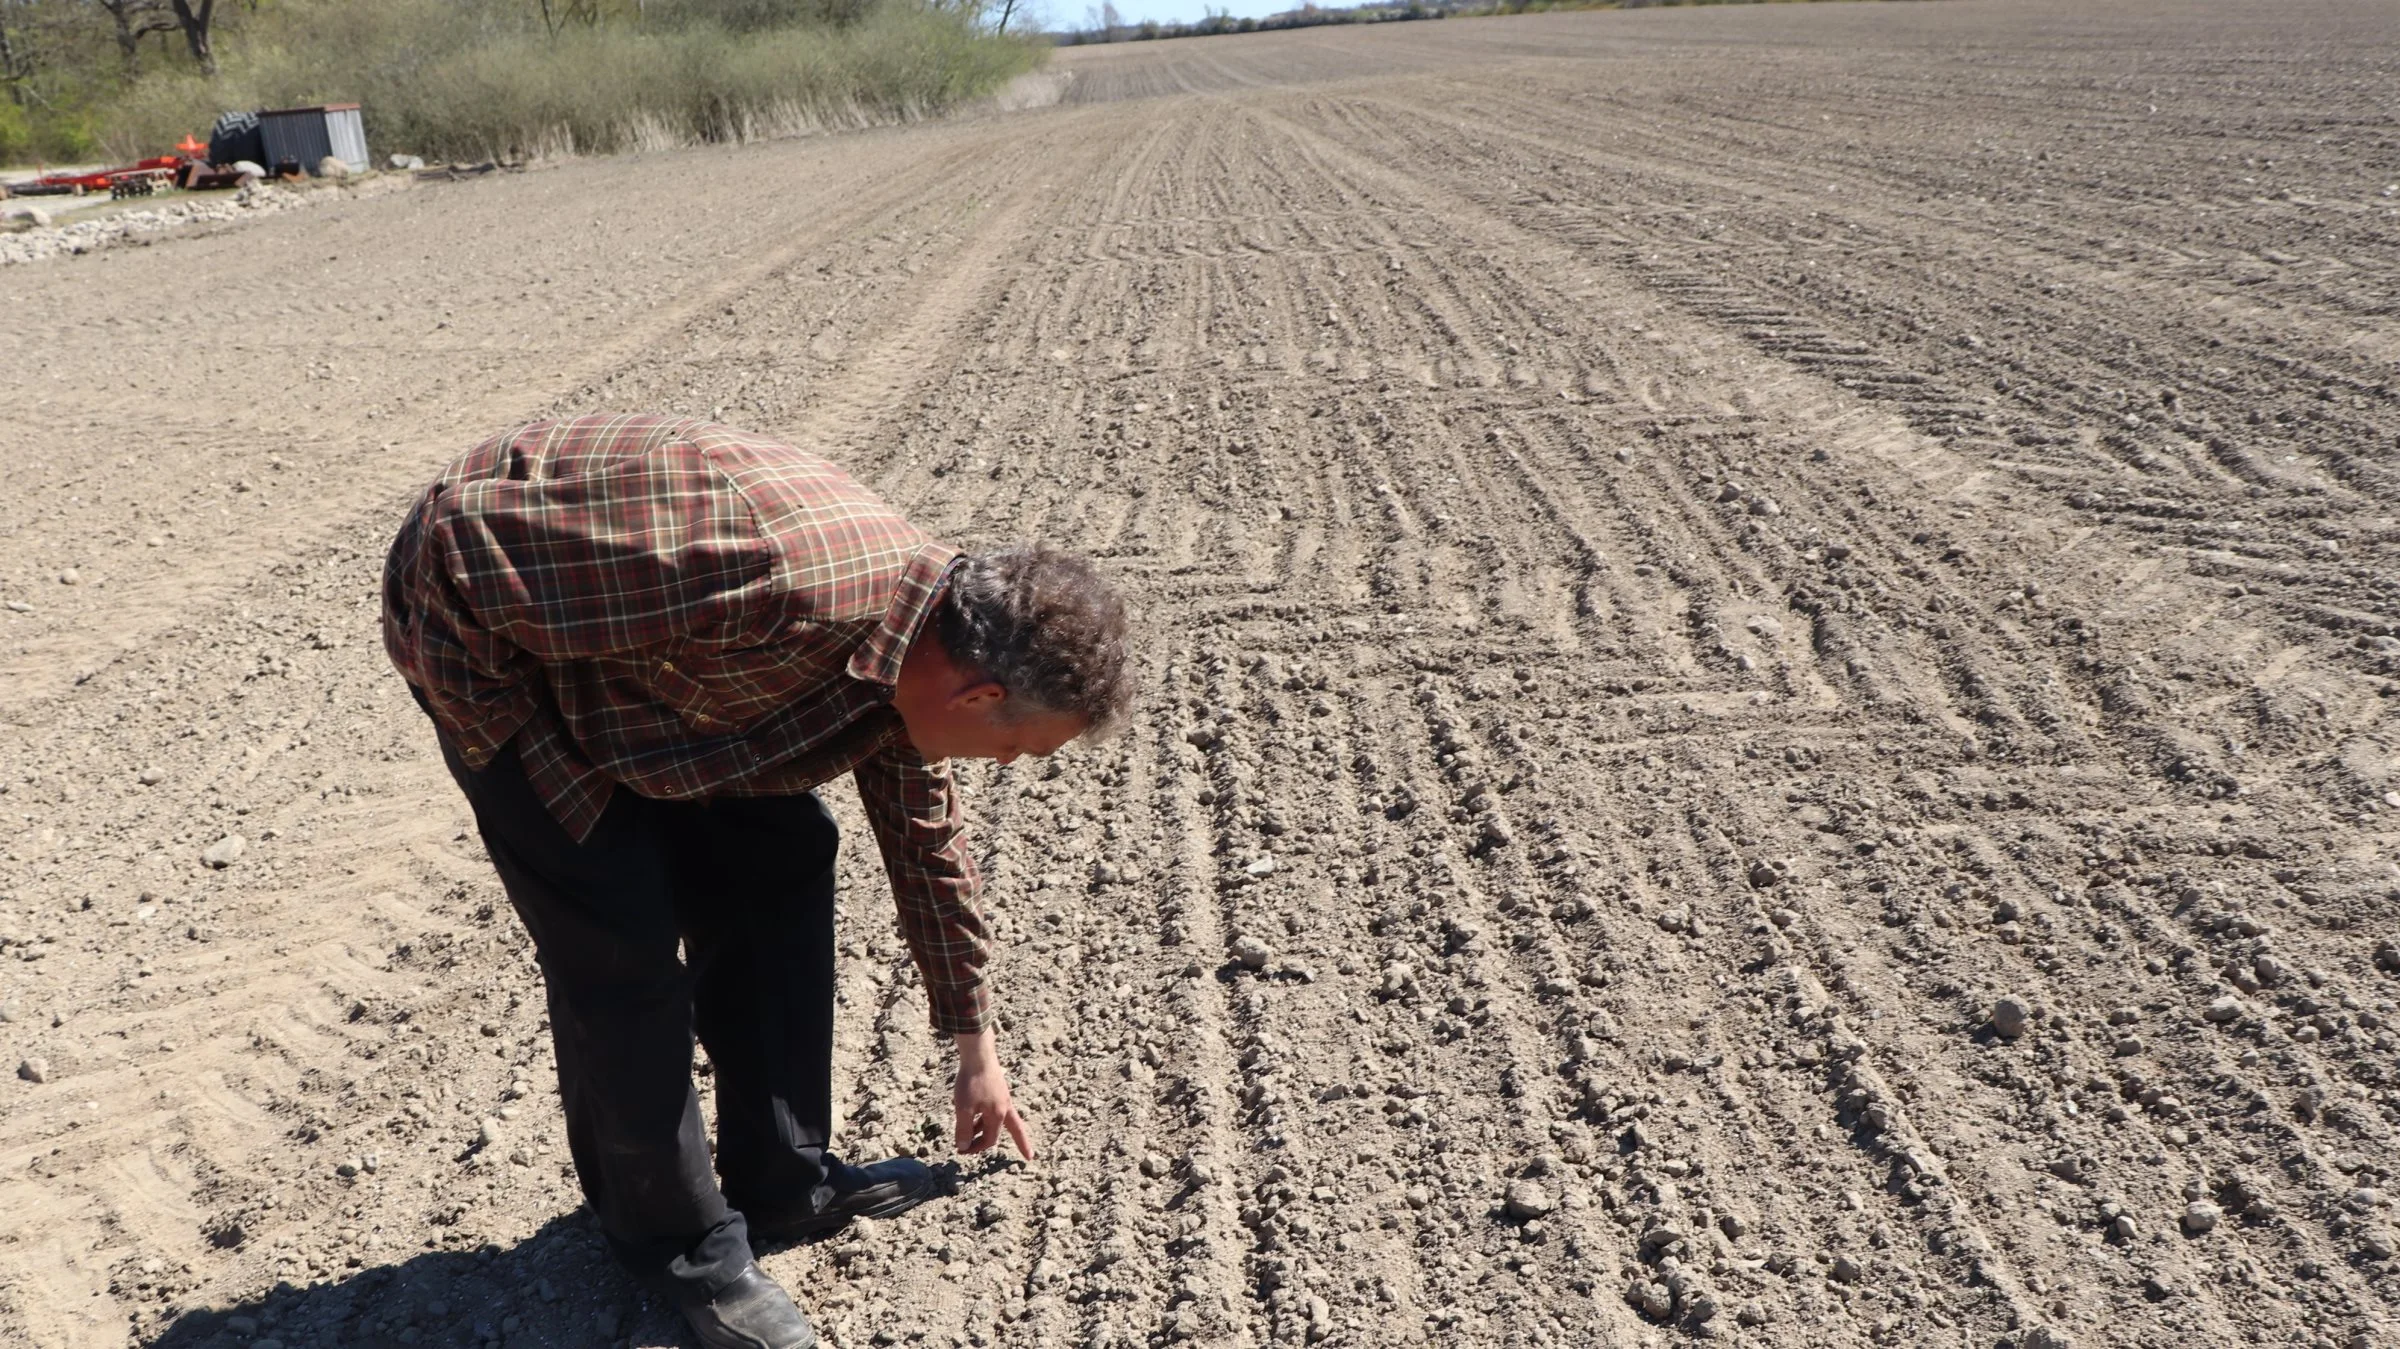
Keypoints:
pixel 557 1289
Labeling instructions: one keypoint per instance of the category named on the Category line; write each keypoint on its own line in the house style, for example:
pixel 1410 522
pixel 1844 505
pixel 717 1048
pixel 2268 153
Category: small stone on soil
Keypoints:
pixel 1651 1299
pixel 2009 1017
pixel 225 851
pixel 1526 1200
pixel 2201 1218
pixel 1251 953
pixel 35 1069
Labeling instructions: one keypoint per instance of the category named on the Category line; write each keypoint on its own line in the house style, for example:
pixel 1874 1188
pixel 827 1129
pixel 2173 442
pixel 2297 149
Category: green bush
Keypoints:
pixel 447 79
pixel 16 134
pixel 60 135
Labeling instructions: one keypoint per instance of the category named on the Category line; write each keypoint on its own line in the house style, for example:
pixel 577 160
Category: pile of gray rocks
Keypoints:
pixel 28 232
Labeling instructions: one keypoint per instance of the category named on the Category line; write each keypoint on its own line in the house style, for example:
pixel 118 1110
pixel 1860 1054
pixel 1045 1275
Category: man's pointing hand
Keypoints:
pixel 981 1099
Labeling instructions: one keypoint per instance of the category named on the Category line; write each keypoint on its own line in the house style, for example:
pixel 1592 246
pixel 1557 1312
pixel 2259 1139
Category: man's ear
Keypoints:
pixel 985 697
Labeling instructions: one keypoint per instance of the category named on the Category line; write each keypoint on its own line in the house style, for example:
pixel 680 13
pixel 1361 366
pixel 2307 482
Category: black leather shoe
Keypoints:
pixel 883 1190
pixel 753 1312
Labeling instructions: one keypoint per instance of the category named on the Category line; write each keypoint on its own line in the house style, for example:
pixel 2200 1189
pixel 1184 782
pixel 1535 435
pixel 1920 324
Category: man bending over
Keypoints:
pixel 644 642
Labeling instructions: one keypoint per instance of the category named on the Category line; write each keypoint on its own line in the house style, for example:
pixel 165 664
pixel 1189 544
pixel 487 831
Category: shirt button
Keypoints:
pixel 666 667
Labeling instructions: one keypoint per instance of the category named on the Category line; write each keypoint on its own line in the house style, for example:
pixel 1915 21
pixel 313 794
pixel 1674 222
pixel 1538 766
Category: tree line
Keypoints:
pixel 1103 22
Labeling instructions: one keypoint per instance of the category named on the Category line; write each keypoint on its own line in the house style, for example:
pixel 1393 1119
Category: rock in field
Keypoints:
pixel 1526 1200
pixel 2201 1218
pixel 2225 1010
pixel 1251 953
pixel 2009 1017
pixel 225 851
pixel 35 1069
pixel 1661 1237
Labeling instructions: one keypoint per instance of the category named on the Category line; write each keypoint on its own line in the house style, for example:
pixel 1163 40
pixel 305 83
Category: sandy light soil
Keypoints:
pixel 1773 634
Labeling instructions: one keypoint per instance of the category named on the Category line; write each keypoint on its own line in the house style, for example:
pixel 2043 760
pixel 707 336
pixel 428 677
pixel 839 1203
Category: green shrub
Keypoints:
pixel 455 79
pixel 16 134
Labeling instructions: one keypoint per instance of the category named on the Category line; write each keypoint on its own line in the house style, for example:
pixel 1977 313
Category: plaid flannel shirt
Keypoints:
pixel 679 608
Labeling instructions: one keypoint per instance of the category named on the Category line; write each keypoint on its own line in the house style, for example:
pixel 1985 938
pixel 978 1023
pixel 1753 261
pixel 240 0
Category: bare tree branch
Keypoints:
pixel 195 21
pixel 10 74
pixel 133 21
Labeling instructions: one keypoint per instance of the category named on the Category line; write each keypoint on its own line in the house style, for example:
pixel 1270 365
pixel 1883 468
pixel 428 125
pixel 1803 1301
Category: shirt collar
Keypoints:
pixel 877 660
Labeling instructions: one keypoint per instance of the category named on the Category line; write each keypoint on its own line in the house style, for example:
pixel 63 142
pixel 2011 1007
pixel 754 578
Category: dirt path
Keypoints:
pixel 1685 555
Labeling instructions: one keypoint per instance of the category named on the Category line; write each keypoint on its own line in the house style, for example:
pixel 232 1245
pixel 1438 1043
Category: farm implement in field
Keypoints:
pixel 138 179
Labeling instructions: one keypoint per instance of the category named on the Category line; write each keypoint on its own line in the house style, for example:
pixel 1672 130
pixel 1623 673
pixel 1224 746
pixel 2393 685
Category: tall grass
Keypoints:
pixel 467 80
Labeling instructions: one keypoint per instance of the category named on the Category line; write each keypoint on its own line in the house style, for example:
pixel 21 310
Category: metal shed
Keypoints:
pixel 308 135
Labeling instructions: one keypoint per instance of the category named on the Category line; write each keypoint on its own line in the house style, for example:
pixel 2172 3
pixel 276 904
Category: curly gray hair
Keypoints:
pixel 1046 626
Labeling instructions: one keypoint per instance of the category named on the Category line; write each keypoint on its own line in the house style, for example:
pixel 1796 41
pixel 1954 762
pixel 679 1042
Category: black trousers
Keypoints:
pixel 745 886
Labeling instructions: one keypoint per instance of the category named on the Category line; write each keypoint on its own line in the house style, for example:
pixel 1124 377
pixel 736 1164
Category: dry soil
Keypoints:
pixel 1684 558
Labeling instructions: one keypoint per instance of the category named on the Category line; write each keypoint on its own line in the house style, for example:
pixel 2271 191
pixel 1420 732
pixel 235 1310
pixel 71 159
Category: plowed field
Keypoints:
pixel 1684 557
